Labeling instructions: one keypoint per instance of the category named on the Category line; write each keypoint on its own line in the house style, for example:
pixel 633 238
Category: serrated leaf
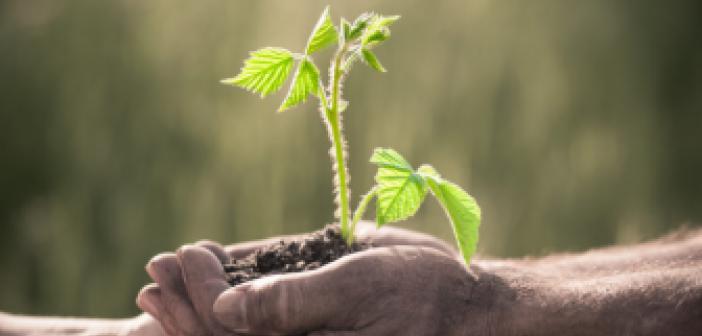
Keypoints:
pixel 377 30
pixel 386 21
pixel 400 191
pixel 399 195
pixel 389 158
pixel 376 37
pixel 359 25
pixel 462 210
pixel 264 72
pixel 323 35
pixel 305 82
pixel 372 61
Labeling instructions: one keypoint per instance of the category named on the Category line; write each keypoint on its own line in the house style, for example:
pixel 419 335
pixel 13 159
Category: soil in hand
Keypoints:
pixel 306 253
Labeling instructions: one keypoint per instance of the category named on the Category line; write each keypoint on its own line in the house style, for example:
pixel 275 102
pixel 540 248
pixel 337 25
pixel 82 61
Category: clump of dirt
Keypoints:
pixel 310 252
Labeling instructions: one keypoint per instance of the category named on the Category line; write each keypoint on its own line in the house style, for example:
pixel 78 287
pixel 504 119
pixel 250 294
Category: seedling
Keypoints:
pixel 399 189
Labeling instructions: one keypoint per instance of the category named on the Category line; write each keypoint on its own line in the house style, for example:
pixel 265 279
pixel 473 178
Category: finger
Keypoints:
pixel 164 269
pixel 216 249
pixel 204 281
pixel 393 236
pixel 330 298
pixel 149 300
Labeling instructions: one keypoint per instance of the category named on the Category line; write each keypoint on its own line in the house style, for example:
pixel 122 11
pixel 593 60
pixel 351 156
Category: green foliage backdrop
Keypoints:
pixel 574 124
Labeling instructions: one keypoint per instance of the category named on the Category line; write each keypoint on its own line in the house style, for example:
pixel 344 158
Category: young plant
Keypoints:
pixel 399 189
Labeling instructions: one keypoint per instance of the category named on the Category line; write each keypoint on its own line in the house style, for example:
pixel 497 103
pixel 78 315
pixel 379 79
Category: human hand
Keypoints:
pixel 400 290
pixel 168 301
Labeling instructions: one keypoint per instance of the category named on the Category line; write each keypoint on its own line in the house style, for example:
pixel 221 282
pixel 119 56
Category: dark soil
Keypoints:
pixel 310 252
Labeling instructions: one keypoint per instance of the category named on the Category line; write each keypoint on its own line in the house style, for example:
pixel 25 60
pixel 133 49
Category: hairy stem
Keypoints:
pixel 332 117
pixel 361 208
pixel 340 154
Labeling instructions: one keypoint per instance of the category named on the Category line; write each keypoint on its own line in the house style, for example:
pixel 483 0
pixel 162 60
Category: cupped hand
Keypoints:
pixel 182 298
pixel 399 290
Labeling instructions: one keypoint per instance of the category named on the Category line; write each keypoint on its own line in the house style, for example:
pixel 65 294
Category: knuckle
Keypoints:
pixel 254 314
pixel 278 302
pixel 276 305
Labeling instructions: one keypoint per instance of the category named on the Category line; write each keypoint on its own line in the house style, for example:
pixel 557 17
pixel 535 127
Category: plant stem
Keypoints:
pixel 361 208
pixel 333 120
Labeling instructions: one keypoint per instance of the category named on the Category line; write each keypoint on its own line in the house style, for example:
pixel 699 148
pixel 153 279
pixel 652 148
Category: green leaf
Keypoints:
pixel 346 29
pixel 323 35
pixel 305 82
pixel 376 37
pixel 264 72
pixel 389 158
pixel 400 191
pixel 370 59
pixel 377 30
pixel 359 25
pixel 462 210
pixel 386 21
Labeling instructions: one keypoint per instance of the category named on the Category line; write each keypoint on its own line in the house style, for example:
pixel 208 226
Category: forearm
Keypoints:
pixel 663 301
pixel 16 325
pixel 666 303
pixel 680 249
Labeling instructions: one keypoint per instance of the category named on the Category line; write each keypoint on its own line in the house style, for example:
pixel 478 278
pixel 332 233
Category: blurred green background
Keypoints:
pixel 574 123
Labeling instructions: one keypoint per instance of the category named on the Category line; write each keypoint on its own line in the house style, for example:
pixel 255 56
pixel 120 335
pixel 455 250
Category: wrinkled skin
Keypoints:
pixel 407 271
pixel 414 285
pixel 186 307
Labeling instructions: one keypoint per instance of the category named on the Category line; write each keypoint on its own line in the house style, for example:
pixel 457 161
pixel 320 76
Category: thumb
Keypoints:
pixel 331 297
pixel 204 280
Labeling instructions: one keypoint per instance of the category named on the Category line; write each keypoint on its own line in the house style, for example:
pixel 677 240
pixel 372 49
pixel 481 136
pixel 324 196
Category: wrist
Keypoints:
pixel 511 300
pixel 481 299
pixel 528 302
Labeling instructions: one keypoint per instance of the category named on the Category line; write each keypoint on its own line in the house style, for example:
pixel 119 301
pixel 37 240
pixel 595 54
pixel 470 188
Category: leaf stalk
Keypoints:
pixel 361 208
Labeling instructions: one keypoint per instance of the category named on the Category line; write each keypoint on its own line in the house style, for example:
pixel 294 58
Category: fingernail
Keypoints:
pixel 230 308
